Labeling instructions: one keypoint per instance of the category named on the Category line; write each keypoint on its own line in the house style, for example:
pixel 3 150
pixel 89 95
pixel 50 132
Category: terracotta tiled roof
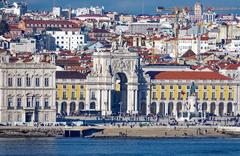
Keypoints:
pixel 188 75
pixel 51 22
pixel 100 31
pixel 232 67
pixel 188 53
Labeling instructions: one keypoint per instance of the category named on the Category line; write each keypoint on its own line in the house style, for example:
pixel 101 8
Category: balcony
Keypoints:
pixel 38 107
pixel 73 98
pixel 10 108
pixel 47 107
pixel 154 98
pixel 82 98
pixel 93 98
pixel 19 107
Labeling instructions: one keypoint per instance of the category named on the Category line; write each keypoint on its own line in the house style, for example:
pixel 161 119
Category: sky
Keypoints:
pixel 129 6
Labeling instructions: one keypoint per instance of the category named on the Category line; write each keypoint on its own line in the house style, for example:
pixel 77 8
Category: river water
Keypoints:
pixel 119 147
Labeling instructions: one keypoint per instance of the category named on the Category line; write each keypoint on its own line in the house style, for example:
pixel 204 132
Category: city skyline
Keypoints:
pixel 129 6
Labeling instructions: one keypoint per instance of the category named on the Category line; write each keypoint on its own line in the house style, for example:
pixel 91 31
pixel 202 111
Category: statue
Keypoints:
pixel 114 45
pixel 120 41
pixel 193 88
pixel 125 45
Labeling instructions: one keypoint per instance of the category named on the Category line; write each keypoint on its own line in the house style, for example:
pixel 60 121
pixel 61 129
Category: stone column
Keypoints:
pixel 136 102
pixel 225 109
pixel 109 101
pixel 59 107
pixel 76 106
pixel 216 111
pixel 148 102
pixel 87 99
pixel 208 108
pixel 166 108
pixel 157 107
pixel 98 102
pixel 129 100
pixel 174 108
pixel 68 109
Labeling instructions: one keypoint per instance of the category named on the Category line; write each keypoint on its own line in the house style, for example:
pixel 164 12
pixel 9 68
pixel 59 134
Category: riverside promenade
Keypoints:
pixel 130 127
pixel 121 132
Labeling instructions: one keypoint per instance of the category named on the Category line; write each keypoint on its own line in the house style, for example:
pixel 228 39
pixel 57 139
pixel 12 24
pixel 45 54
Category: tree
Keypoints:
pixel 3 27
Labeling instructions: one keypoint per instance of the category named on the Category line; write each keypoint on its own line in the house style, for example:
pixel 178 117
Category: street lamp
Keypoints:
pixel 105 104
pixel 120 108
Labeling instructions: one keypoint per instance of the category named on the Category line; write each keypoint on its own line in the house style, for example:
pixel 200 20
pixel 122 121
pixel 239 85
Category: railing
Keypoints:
pixel 82 98
pixel 19 107
pixel 47 107
pixel 38 107
pixel 74 98
pixel 10 108
pixel 93 98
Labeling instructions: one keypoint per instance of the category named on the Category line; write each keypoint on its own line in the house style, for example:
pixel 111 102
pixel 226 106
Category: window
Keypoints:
pixel 92 105
pixel 10 82
pixel 81 95
pixel 162 95
pixel 221 96
pixel 46 103
pixel 179 87
pixel 37 82
pixel 179 95
pixel 28 102
pixel 19 117
pixel 171 87
pixel 230 95
pixel 19 102
pixel 171 95
pixel 19 82
pixel 37 102
pixel 154 95
pixel 73 95
pixel 93 95
pixel 46 117
pixel 213 95
pixel 153 86
pixel 46 82
pixel 64 95
pixel 10 102
pixel 28 81
pixel 163 87
pixel 10 117
pixel 204 95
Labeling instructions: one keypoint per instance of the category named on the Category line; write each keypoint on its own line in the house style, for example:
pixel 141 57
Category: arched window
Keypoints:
pixel 81 106
pixel 92 105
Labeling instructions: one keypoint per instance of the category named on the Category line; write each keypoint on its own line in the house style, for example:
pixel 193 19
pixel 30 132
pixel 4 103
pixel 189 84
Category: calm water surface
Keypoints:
pixel 119 147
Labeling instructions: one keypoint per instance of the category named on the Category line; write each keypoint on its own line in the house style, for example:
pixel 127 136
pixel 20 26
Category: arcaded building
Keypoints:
pixel 119 84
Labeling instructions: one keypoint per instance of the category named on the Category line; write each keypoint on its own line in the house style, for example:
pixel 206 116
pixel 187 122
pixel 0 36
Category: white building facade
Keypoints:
pixel 27 92
pixel 66 40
